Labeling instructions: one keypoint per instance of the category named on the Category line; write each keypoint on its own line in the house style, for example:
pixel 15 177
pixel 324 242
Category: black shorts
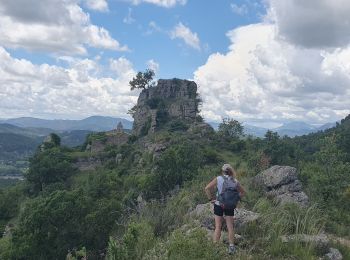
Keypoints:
pixel 219 211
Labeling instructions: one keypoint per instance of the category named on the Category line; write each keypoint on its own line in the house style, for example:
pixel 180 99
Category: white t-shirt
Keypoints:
pixel 220 182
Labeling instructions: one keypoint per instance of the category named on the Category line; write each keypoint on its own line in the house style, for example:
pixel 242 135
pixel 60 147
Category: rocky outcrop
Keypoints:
pixel 333 254
pixel 204 215
pixel 201 130
pixel 282 184
pixel 170 99
pixel 50 141
pixel 115 137
pixel 88 163
pixel 321 241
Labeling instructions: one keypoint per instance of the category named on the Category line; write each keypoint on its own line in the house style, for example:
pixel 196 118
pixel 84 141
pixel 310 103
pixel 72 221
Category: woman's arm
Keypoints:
pixel 241 190
pixel 209 188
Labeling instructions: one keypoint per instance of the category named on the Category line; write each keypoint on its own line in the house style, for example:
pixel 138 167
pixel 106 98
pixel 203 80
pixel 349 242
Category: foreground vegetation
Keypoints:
pixel 135 208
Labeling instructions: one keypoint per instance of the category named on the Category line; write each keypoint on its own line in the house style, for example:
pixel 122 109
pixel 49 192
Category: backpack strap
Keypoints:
pixel 226 179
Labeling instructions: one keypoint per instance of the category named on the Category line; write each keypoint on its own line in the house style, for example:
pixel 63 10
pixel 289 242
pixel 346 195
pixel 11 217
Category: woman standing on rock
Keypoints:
pixel 228 193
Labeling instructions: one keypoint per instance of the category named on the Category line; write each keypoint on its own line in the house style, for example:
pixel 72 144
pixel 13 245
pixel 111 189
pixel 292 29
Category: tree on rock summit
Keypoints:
pixel 143 80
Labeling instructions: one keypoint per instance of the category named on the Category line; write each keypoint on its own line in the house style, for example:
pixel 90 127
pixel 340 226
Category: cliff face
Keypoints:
pixel 170 99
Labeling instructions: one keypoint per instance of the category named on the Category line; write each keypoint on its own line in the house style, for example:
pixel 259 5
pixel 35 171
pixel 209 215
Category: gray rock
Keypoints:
pixel 203 213
pixel 277 176
pixel 244 217
pixel 333 254
pixel 179 102
pixel 281 183
pixel 320 241
pixel 156 148
pixel 294 197
pixel 118 158
pixel 88 163
pixel 294 186
pixel 201 129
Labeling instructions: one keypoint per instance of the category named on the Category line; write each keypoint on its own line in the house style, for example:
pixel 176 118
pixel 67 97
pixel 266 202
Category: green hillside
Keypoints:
pixel 123 196
pixel 16 146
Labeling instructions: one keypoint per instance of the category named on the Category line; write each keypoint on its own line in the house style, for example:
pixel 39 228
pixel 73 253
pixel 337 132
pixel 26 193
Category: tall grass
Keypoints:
pixel 279 220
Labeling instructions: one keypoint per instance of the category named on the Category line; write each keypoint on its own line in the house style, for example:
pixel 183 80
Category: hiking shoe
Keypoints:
pixel 231 249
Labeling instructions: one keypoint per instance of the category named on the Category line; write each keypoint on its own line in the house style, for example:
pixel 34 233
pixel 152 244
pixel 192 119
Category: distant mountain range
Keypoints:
pixel 93 123
pixel 290 129
pixel 19 137
pixel 30 126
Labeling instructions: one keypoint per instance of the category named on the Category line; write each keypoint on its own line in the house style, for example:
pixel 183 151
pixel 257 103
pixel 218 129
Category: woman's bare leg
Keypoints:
pixel 230 229
pixel 218 225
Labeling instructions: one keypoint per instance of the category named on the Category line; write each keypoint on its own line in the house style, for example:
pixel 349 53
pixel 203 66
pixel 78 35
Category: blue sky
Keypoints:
pixel 261 62
pixel 132 26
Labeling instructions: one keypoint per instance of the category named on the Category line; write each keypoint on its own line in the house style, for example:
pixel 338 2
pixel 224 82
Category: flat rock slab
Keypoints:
pixel 321 241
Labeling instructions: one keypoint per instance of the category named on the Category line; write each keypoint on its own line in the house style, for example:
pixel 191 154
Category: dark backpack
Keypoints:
pixel 229 196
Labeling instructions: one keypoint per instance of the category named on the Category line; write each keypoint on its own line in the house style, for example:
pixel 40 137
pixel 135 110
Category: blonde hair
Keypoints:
pixel 228 169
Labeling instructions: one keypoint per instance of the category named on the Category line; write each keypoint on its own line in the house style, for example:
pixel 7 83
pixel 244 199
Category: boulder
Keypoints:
pixel 281 183
pixel 333 254
pixel 321 241
pixel 276 176
pixel 244 217
pixel 204 215
pixel 293 197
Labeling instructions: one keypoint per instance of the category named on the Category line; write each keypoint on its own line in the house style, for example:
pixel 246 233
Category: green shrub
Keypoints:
pixel 138 238
pixel 132 139
pixel 192 244
pixel 145 128
pixel 178 125
pixel 169 214
pixel 6 248
pixel 49 167
pixel 175 166
pixel 211 156
pixel 48 227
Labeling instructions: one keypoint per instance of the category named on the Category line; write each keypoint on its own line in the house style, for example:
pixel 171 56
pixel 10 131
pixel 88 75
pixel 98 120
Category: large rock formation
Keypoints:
pixel 170 99
pixel 281 183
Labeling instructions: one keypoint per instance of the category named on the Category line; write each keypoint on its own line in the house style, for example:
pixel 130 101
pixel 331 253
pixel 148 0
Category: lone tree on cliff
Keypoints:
pixel 143 80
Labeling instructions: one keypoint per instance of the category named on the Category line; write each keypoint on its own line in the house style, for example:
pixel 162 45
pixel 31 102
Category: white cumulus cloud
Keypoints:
pixel 153 65
pixel 239 9
pixel 162 3
pixel 264 77
pixel 55 26
pixel 184 33
pixel 76 91
pixel 97 5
